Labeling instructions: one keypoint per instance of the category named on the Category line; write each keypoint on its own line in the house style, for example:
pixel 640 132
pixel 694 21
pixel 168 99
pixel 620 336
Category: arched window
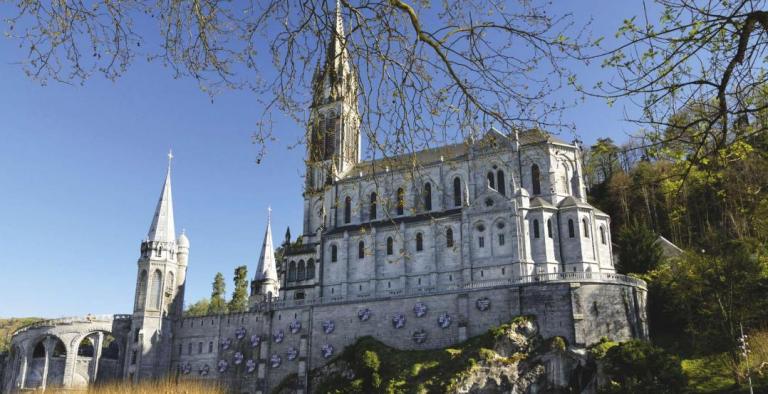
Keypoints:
pixel 428 196
pixel 334 253
pixel 372 207
pixel 400 201
pixel 301 272
pixel 449 238
pixel 292 271
pixel 501 183
pixel 169 284
pixel 549 228
pixel 491 180
pixel 602 235
pixel 571 232
pixel 585 223
pixel 347 209
pixel 390 246
pixel 457 192
pixel 419 242
pixel 535 228
pixel 330 135
pixel 310 269
pixel 157 289
pixel 141 292
pixel 361 250
pixel 535 179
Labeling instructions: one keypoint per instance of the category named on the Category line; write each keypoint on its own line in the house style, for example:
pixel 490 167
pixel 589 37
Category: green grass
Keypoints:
pixel 710 374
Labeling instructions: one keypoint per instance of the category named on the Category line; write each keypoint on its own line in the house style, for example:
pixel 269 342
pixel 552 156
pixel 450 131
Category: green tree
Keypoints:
pixel 638 251
pixel 239 301
pixel 218 304
pixel 199 308
pixel 640 367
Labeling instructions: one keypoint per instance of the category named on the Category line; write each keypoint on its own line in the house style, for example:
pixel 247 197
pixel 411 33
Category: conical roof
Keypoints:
pixel 163 228
pixel 266 268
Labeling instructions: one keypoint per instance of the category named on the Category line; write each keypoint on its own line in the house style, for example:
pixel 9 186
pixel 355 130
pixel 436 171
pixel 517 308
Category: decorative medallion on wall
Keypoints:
pixel 275 360
pixel 222 366
pixel 295 326
pixel 255 340
pixel 240 333
pixel 204 370
pixel 328 326
pixel 327 350
pixel 238 358
pixel 398 320
pixel 483 304
pixel 226 343
pixel 444 320
pixel 420 309
pixel 278 336
pixel 250 366
pixel 292 353
pixel 186 368
pixel 364 314
pixel 420 336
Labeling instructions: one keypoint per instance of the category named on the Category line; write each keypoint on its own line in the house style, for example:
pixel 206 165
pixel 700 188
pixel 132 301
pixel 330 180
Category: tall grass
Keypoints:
pixel 186 386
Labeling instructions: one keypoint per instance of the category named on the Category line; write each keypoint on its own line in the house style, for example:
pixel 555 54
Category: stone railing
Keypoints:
pixel 558 277
pixel 69 320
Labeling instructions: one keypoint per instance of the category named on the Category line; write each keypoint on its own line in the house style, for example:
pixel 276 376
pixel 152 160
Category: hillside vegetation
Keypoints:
pixel 8 326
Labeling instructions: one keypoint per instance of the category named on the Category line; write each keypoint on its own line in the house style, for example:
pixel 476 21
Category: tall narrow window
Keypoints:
pixel 400 201
pixel 372 207
pixel 535 228
pixel 360 250
pixel 330 135
pixel 549 228
pixel 292 271
pixel 141 296
pixel 501 239
pixel 334 253
pixel 419 242
pixel 449 238
pixel 390 246
pixel 571 232
pixel 347 209
pixel 157 289
pixel 491 181
pixel 301 272
pixel 535 179
pixel 602 235
pixel 428 196
pixel 310 269
pixel 585 223
pixel 501 183
pixel 457 192
pixel 481 241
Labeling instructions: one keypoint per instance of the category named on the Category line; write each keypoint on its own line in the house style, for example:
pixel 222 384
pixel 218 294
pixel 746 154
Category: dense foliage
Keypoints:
pixel 8 326
pixel 640 367
pixel 239 301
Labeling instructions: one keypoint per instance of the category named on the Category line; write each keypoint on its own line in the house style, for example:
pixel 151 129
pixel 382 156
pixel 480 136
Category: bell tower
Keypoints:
pixel 159 299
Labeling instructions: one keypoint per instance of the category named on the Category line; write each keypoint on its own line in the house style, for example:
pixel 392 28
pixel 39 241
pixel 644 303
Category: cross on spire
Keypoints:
pixel 170 157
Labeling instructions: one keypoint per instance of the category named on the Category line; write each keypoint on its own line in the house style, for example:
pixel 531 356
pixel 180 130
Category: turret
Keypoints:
pixel 265 285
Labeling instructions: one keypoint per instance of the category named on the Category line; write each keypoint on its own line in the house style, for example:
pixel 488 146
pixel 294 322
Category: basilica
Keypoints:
pixel 419 251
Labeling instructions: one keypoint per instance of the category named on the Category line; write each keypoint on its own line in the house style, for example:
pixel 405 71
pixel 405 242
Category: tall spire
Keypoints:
pixel 266 269
pixel 163 228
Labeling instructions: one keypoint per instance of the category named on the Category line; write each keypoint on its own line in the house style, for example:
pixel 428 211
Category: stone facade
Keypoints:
pixel 417 255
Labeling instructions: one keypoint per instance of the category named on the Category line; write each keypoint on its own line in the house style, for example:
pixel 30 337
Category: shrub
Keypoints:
pixel 639 367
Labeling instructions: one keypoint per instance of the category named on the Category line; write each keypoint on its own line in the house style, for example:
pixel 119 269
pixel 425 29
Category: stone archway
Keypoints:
pixel 47 365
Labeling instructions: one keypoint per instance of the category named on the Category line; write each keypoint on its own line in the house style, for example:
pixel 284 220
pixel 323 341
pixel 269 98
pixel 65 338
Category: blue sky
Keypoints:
pixel 81 168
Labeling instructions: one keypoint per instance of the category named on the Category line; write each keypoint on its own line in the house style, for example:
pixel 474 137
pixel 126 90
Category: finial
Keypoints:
pixel 269 213
pixel 170 157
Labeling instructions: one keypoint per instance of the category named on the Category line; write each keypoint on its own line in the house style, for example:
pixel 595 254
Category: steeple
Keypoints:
pixel 266 269
pixel 163 228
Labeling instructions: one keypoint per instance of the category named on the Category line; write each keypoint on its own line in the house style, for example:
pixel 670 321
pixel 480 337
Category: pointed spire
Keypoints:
pixel 163 228
pixel 266 268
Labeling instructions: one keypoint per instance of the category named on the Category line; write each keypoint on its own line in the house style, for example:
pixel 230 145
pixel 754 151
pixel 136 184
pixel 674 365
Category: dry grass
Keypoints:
pixel 159 386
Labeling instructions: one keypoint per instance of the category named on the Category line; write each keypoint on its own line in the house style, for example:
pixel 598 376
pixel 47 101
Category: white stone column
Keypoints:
pixel 22 378
pixel 96 356
pixel 47 346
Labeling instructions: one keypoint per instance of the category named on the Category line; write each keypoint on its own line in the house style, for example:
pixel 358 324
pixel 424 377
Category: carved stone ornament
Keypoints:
pixel 364 314
pixel 398 320
pixel 238 358
pixel 222 366
pixel 226 343
pixel 204 370
pixel 250 366
pixel 420 309
pixel 240 333
pixel 295 326
pixel 275 360
pixel 444 320
pixel 292 353
pixel 255 340
pixel 420 336
pixel 328 326
pixel 483 304
pixel 327 350
pixel 278 336
pixel 186 369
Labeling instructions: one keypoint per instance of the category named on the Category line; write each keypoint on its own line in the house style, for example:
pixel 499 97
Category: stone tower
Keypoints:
pixel 159 299
pixel 265 285
pixel 333 130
